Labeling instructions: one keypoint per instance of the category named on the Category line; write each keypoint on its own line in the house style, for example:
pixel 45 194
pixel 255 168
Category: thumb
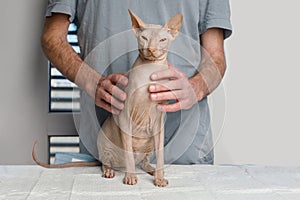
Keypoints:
pixel 172 67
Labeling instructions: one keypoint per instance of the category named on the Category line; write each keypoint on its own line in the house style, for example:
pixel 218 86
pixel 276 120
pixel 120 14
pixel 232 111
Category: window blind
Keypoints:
pixel 59 144
pixel 64 96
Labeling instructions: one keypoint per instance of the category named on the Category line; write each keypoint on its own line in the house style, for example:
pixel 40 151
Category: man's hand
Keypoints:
pixel 109 94
pixel 187 91
pixel 176 87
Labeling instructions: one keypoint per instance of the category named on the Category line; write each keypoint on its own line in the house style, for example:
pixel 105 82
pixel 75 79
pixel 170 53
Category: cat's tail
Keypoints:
pixel 65 165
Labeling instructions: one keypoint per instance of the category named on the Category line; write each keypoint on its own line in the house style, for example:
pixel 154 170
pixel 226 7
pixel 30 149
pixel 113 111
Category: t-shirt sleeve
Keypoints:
pixel 62 6
pixel 215 14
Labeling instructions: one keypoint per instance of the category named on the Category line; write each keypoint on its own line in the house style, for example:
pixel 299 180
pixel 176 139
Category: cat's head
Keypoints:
pixel 154 40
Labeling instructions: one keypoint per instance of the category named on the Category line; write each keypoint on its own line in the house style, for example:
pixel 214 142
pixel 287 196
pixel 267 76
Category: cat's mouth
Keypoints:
pixel 153 56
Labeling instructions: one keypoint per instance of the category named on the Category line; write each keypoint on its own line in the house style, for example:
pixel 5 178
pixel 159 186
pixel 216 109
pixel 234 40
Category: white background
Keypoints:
pixel 261 84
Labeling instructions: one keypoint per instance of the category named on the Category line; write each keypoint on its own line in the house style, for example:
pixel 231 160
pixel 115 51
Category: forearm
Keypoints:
pixel 213 64
pixel 64 58
pixel 209 75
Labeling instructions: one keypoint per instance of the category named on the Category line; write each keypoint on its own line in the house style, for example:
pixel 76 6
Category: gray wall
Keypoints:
pixel 260 102
pixel 262 85
pixel 23 82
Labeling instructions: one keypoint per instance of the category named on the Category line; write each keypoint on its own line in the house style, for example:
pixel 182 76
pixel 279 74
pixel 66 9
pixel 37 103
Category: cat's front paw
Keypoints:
pixel 161 182
pixel 130 179
pixel 108 173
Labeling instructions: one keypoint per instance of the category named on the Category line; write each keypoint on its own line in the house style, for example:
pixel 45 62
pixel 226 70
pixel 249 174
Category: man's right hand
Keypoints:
pixel 109 93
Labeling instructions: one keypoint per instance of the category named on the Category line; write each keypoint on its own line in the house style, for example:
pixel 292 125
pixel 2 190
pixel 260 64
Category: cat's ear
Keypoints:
pixel 174 25
pixel 137 23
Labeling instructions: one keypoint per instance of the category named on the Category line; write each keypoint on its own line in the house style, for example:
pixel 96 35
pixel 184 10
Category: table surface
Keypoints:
pixel 185 182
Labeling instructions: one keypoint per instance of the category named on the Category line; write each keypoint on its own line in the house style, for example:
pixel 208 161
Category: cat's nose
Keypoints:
pixel 151 50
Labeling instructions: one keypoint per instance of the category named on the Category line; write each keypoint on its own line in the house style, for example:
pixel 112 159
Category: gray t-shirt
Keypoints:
pixel 108 45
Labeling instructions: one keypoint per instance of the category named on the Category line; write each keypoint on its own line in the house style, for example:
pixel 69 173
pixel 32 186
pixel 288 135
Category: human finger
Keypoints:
pixel 110 108
pixel 170 107
pixel 106 106
pixel 172 67
pixel 107 97
pixel 118 79
pixel 113 89
pixel 164 74
pixel 164 96
pixel 166 86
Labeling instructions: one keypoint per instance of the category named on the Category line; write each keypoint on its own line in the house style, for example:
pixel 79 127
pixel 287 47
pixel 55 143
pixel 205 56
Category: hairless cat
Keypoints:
pixel 130 138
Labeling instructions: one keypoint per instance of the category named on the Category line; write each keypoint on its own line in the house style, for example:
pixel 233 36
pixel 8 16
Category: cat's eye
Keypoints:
pixel 144 38
pixel 162 40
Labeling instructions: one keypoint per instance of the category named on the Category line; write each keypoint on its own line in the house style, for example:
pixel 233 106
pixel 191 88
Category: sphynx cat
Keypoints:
pixel 130 138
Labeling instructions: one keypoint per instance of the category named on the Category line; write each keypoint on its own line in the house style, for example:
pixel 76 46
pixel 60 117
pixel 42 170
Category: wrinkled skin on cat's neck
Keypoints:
pixel 130 138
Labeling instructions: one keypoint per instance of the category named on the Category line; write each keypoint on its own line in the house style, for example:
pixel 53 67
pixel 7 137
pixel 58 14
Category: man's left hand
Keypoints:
pixel 175 87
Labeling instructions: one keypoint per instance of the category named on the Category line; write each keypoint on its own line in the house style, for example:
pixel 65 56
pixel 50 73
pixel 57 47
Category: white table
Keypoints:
pixel 185 182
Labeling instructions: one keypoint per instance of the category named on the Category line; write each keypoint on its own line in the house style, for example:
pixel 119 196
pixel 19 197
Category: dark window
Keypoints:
pixel 62 144
pixel 64 96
